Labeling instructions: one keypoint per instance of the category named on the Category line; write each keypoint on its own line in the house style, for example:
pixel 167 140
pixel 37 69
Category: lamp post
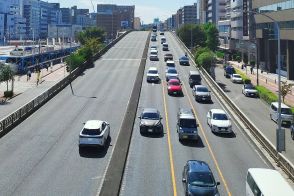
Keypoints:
pixel 279 146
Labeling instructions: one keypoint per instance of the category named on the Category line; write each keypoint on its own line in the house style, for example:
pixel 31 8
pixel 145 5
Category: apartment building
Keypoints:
pixel 189 14
pixel 215 10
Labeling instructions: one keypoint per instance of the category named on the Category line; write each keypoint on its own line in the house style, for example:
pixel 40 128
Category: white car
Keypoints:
pixel 249 90
pixel 94 133
pixel 153 51
pixel 153 48
pixel 236 78
pixel 219 121
pixel 153 75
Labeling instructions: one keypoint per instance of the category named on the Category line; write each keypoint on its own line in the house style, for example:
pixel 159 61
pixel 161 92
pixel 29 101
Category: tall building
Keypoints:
pixel 66 15
pixel 202 4
pixel 189 14
pixel 113 18
pixel 281 11
pixel 179 20
pixel 137 23
pixel 224 28
pixel 215 10
pixel 32 13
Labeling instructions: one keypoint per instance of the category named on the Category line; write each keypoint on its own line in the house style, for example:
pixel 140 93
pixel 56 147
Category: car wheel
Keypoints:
pixel 292 134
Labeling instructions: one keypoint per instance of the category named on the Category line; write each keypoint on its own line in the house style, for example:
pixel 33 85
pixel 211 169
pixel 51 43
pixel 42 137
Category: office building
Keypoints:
pixel 189 14
pixel 137 23
pixel 224 28
pixel 283 12
pixel 114 18
pixel 215 10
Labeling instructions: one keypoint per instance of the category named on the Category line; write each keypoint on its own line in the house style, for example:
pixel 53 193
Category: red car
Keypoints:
pixel 174 87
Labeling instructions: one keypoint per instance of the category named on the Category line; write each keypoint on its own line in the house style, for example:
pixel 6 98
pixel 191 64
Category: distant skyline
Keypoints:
pixel 147 10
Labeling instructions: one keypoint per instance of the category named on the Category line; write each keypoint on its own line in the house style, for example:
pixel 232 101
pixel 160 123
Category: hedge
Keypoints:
pixel 267 95
pixel 220 54
pixel 246 80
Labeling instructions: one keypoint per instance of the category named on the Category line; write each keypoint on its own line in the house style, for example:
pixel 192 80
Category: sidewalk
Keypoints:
pixel 268 80
pixel 26 90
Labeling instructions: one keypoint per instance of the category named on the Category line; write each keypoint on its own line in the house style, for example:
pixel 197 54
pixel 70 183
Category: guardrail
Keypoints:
pixel 280 159
pixel 23 112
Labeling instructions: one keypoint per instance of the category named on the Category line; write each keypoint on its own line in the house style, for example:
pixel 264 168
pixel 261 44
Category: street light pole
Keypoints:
pixel 278 145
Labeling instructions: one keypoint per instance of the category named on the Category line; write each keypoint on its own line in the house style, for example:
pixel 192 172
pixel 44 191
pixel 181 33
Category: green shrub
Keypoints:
pixel 292 108
pixel 246 79
pixel 8 93
pixel 267 95
pixel 205 60
pixel 75 60
pixel 199 51
pixel 220 54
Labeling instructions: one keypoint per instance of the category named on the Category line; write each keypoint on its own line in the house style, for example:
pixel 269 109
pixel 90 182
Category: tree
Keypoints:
pixel 206 60
pixel 285 89
pixel 197 38
pixel 91 32
pixel 6 74
pixel 199 51
pixel 211 34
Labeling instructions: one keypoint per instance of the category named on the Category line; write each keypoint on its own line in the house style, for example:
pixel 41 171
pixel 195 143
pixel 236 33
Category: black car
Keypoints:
pixel 198 179
pixel 292 131
pixel 150 121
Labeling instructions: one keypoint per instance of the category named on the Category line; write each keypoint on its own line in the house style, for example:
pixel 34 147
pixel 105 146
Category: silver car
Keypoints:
pixel 150 121
pixel 94 133
pixel 201 93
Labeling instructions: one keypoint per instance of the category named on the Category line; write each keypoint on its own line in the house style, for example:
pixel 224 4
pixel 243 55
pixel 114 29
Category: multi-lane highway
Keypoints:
pixel 41 155
pixel 256 110
pixel 155 164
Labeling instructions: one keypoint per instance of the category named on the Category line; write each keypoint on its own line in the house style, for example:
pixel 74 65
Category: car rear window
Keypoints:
pixel 202 89
pixel 150 115
pixel 91 131
pixel 188 123
pixel 152 71
pixel 204 179
pixel 219 117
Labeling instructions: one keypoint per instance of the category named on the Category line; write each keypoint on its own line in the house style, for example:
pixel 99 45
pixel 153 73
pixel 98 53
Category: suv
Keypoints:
pixel 198 179
pixel 194 78
pixel 187 125
pixel 201 93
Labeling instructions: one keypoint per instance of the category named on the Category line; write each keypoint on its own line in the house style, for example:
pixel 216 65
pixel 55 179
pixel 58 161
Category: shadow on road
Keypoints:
pixel 223 86
pixel 94 152
pixel 225 135
pixel 193 143
pixel 153 135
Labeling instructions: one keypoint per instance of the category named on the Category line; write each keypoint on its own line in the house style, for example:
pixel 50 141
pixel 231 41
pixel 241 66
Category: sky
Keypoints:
pixel 147 10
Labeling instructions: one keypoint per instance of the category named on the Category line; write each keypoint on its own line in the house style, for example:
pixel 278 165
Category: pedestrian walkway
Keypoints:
pixel 25 90
pixel 268 80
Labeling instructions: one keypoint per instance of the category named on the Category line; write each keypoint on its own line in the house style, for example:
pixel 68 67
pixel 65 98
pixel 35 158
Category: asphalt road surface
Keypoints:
pixel 41 155
pixel 256 110
pixel 155 164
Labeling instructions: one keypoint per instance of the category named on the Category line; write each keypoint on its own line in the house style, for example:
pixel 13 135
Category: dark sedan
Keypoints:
pixel 168 56
pixel 198 179
pixel 184 60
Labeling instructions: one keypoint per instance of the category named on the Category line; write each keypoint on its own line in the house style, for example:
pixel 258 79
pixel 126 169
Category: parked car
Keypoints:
pixel 292 131
pixel 168 56
pixel 186 125
pixel 201 93
pixel 286 113
pixel 174 87
pixel 236 78
pixel 194 78
pixel 94 133
pixel 198 179
pixel 228 71
pixel 171 72
pixel 150 121
pixel 219 121
pixel 249 90
pixel 184 60
pixel 152 75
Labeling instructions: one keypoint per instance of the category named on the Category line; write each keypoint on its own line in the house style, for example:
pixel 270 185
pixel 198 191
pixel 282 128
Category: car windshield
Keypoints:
pixel 184 58
pixel 172 71
pixel 170 64
pixel 220 117
pixel 249 87
pixel 168 55
pixel 203 179
pixel 286 111
pixel 174 83
pixel 237 76
pixel 150 115
pixel 195 77
pixel 152 71
pixel 188 123
pixel 91 131
pixel 202 89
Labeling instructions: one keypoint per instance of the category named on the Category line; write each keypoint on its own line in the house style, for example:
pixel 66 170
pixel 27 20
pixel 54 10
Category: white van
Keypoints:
pixel 286 113
pixel 266 182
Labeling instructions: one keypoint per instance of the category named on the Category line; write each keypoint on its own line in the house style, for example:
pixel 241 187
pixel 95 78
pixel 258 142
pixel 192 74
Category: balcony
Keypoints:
pixel 209 2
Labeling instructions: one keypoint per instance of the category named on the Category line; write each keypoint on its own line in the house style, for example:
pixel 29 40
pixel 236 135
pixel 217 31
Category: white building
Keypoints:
pixel 63 32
